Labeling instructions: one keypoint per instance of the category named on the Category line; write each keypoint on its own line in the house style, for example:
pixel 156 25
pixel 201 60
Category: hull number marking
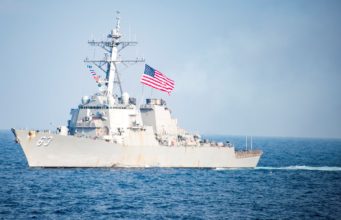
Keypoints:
pixel 44 141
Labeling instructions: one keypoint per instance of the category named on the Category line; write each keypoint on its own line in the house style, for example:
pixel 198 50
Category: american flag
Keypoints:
pixel 155 79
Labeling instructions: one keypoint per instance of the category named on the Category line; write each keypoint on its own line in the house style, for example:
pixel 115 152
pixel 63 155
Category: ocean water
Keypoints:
pixel 296 179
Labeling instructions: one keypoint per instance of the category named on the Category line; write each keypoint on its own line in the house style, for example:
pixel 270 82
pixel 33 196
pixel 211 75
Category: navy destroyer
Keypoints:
pixel 108 129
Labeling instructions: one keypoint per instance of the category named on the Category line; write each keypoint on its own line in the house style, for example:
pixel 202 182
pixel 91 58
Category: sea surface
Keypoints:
pixel 297 178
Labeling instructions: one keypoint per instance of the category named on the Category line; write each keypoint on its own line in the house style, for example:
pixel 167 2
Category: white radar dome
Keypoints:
pixel 85 100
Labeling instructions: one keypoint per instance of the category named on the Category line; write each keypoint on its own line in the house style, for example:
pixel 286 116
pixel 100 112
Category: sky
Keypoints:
pixel 261 68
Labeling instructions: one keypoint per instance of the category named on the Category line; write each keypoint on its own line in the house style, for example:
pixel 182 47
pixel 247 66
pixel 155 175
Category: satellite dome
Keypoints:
pixel 85 100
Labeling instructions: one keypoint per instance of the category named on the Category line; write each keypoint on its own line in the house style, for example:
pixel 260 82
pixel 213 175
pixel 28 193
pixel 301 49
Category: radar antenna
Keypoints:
pixel 113 46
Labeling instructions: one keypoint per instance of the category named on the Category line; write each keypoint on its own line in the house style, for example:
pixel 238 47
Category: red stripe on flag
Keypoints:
pixel 157 80
pixel 154 85
pixel 150 82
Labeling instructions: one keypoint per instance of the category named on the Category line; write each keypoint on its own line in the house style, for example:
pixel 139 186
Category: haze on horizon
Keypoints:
pixel 262 68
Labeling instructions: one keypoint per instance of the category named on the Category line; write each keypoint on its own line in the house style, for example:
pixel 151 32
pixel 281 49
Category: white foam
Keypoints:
pixel 231 168
pixel 324 168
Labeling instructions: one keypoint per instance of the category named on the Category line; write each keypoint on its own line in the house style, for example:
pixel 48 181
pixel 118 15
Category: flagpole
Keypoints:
pixel 142 94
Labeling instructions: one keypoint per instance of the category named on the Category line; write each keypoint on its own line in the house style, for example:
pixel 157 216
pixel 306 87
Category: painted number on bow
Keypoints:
pixel 44 141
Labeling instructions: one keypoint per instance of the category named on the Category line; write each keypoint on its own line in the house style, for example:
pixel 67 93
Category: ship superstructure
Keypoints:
pixel 108 129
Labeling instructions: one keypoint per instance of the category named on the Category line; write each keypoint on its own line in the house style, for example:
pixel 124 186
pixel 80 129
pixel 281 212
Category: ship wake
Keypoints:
pixel 312 168
pixel 322 168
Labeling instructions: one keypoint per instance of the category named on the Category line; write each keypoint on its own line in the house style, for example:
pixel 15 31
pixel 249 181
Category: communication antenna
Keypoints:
pixel 112 46
pixel 118 21
pixel 245 142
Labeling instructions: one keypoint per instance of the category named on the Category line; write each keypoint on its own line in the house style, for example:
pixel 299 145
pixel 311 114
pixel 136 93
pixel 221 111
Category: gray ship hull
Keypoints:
pixel 53 150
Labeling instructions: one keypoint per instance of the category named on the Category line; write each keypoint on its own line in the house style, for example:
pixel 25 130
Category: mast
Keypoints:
pixel 112 46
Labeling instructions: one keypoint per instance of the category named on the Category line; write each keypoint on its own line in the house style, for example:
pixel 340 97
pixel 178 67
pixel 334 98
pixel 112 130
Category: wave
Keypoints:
pixel 225 168
pixel 323 168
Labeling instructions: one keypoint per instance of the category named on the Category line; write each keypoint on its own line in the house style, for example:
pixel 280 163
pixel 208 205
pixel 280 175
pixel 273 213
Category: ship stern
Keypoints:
pixel 248 158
